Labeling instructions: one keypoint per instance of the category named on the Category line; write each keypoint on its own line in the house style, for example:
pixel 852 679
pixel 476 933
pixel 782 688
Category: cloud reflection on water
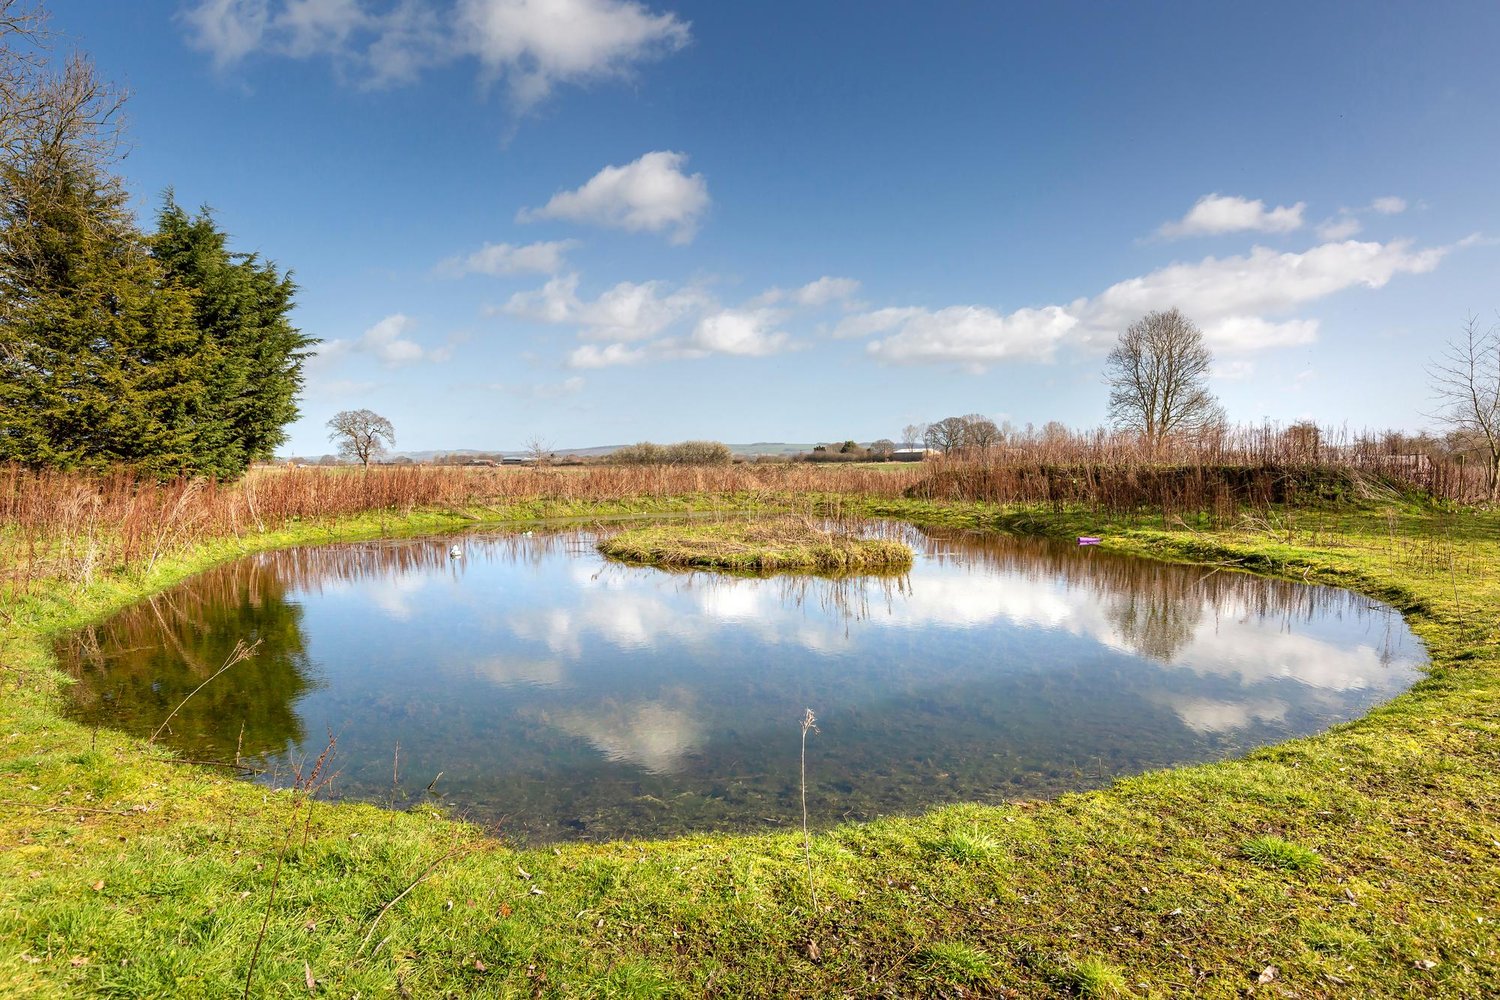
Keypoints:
pixel 547 682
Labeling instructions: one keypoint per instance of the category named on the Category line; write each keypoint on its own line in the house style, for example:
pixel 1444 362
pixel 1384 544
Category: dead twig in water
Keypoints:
pixel 239 653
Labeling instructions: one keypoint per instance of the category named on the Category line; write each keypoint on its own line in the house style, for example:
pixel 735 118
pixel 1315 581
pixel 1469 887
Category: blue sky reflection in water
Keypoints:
pixel 565 696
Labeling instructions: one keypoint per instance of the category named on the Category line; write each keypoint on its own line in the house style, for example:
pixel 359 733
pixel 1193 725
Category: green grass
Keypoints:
pixel 1273 852
pixel 125 873
pixel 1092 978
pixel 953 962
pixel 771 544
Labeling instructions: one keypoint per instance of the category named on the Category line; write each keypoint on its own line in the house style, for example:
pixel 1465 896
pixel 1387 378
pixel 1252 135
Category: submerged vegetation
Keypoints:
pixel 1361 862
pixel 762 545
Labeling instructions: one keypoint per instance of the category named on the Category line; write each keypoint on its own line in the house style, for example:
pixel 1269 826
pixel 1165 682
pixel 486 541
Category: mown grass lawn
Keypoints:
pixel 1364 862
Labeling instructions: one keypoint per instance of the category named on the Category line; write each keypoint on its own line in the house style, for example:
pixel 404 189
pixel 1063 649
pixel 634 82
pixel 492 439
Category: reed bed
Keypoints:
pixel 72 525
pixel 1220 474
pixel 762 545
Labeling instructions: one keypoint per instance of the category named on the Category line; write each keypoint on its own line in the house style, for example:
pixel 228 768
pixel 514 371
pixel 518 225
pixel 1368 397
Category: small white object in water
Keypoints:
pixel 455 553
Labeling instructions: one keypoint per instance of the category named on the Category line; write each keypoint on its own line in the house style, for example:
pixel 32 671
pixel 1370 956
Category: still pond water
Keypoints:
pixel 563 696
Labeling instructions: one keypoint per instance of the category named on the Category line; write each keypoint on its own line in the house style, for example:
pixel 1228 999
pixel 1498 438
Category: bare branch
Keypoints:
pixel 1466 386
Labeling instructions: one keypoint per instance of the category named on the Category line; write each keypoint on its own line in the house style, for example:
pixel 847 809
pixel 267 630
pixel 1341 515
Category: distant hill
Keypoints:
pixel 749 450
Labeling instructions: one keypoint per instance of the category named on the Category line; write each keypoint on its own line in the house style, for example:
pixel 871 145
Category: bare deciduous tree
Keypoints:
pixel 361 434
pixel 60 132
pixel 43 111
pixel 539 449
pixel 1157 376
pixel 972 436
pixel 981 434
pixel 22 34
pixel 913 435
pixel 946 435
pixel 1466 383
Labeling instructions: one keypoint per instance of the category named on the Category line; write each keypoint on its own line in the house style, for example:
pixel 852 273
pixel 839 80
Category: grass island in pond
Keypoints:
pixel 767 545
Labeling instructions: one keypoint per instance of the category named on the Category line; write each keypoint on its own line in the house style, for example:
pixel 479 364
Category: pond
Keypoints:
pixel 541 690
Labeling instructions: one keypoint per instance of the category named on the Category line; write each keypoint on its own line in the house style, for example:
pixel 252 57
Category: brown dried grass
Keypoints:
pixel 66 525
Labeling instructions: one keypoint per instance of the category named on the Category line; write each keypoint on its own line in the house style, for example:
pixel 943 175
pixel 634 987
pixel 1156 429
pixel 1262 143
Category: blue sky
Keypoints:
pixel 600 221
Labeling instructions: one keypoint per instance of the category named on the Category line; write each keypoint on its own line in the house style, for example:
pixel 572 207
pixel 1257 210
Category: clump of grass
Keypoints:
pixel 758 546
pixel 955 962
pixel 964 848
pixel 1273 852
pixel 1090 977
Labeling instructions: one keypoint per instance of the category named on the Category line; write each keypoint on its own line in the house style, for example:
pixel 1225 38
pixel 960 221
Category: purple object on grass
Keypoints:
pixel 1087 540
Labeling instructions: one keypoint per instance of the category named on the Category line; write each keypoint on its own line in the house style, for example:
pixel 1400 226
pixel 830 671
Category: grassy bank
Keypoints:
pixel 763 545
pixel 1364 862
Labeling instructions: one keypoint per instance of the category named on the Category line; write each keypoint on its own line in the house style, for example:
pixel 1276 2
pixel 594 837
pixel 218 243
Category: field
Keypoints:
pixel 1363 862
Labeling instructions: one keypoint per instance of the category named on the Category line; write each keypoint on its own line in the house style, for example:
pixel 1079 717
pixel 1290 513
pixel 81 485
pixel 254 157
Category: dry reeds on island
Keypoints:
pixel 763 545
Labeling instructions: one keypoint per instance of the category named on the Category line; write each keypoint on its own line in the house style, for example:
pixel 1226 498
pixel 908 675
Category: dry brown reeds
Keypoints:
pixel 66 525
pixel 1219 473
pixel 63 525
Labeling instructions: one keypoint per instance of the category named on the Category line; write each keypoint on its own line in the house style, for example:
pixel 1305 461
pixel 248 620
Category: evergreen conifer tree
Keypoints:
pixel 240 306
pixel 99 361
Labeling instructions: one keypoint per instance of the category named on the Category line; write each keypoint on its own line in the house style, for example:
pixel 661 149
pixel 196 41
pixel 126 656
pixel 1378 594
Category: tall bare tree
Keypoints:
pixel 981 434
pixel 912 435
pixel 948 435
pixel 1466 384
pixel 539 449
pixel 361 435
pixel 1158 375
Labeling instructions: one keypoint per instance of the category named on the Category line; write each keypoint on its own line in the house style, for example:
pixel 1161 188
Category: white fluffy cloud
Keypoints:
pixel 386 340
pixel 500 259
pixel 626 312
pixel 650 194
pixel 1218 213
pixel 605 356
pixel 971 335
pixel 825 291
pixel 1347 224
pixel 814 295
pixel 537 43
pixel 1262 282
pixel 743 332
pixel 533 45
pixel 1243 334
pixel 1340 228
pixel 228 30
pixel 630 323
pixel 1241 303
pixel 314 26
